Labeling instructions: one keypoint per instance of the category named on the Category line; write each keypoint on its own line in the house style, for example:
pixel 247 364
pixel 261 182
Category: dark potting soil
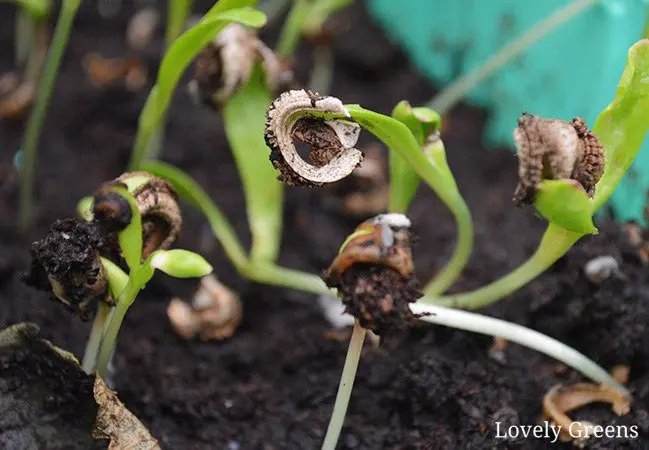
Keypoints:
pixel 272 385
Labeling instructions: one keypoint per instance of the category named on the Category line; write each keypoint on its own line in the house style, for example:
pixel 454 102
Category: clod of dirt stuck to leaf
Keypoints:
pixel 374 274
pixel 554 149
pixel 67 264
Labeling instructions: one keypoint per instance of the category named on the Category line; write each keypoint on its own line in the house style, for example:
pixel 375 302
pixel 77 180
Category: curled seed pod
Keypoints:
pixel 228 62
pixel 214 314
pixel 158 205
pixel 333 156
pixel 66 263
pixel 554 149
pixel 374 273
pixel 560 400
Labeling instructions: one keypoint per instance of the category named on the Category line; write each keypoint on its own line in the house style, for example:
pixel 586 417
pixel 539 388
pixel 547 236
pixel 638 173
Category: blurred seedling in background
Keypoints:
pixel 17 89
pixel 130 68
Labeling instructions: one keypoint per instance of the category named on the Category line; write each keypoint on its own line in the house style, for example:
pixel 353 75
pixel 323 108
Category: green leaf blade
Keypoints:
pixel 623 125
pixel 564 203
pixel 185 49
pixel 180 263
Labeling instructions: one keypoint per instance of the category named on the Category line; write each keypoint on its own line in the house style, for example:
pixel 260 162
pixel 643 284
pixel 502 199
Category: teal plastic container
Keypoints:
pixel 573 71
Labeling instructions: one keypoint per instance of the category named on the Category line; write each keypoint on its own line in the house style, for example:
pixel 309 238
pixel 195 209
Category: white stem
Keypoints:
pixel 455 92
pixel 345 388
pixel 477 323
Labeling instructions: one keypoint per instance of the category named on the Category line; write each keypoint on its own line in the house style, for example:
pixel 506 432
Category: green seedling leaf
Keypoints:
pixel 319 12
pixel 184 50
pixel 130 238
pixel 263 191
pixel 435 151
pixel 38 9
pixel 420 121
pixel 116 277
pixel 180 263
pixel 404 181
pixel 565 203
pixel 623 125
pixel 84 209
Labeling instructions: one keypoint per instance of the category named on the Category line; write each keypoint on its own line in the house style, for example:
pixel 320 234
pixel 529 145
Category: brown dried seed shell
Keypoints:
pixel 333 154
pixel 158 205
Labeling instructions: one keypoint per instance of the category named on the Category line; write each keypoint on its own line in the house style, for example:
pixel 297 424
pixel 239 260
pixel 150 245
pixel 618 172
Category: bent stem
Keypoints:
pixel 191 192
pixel 461 87
pixel 555 243
pixel 259 271
pixel 398 138
pixel 477 323
pixel 345 387
pixel 43 94
pixel 275 275
pixel 450 272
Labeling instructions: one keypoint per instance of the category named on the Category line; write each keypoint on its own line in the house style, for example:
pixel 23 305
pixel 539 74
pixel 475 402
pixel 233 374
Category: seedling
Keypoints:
pixel 136 216
pixel 332 129
pixel 43 93
pixel 179 55
pixel 620 130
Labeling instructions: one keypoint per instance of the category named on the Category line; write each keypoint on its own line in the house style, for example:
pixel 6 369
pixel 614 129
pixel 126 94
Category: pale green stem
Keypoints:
pixel 555 243
pixel 447 276
pixel 477 323
pixel 177 14
pixel 279 276
pixel 96 333
pixel 292 30
pixel 273 8
pixel 191 192
pixel 26 36
pixel 323 69
pixel 43 94
pixel 109 340
pixel 461 87
pixel 345 388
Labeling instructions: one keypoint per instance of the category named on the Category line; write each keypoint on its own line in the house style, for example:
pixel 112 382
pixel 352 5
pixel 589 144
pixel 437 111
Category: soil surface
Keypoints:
pixel 272 385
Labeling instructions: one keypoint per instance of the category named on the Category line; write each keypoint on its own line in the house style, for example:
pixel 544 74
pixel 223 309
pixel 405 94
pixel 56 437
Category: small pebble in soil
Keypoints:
pixel 599 269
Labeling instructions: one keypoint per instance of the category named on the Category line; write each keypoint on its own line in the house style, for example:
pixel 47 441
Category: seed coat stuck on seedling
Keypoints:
pixel 303 115
pixel 554 149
